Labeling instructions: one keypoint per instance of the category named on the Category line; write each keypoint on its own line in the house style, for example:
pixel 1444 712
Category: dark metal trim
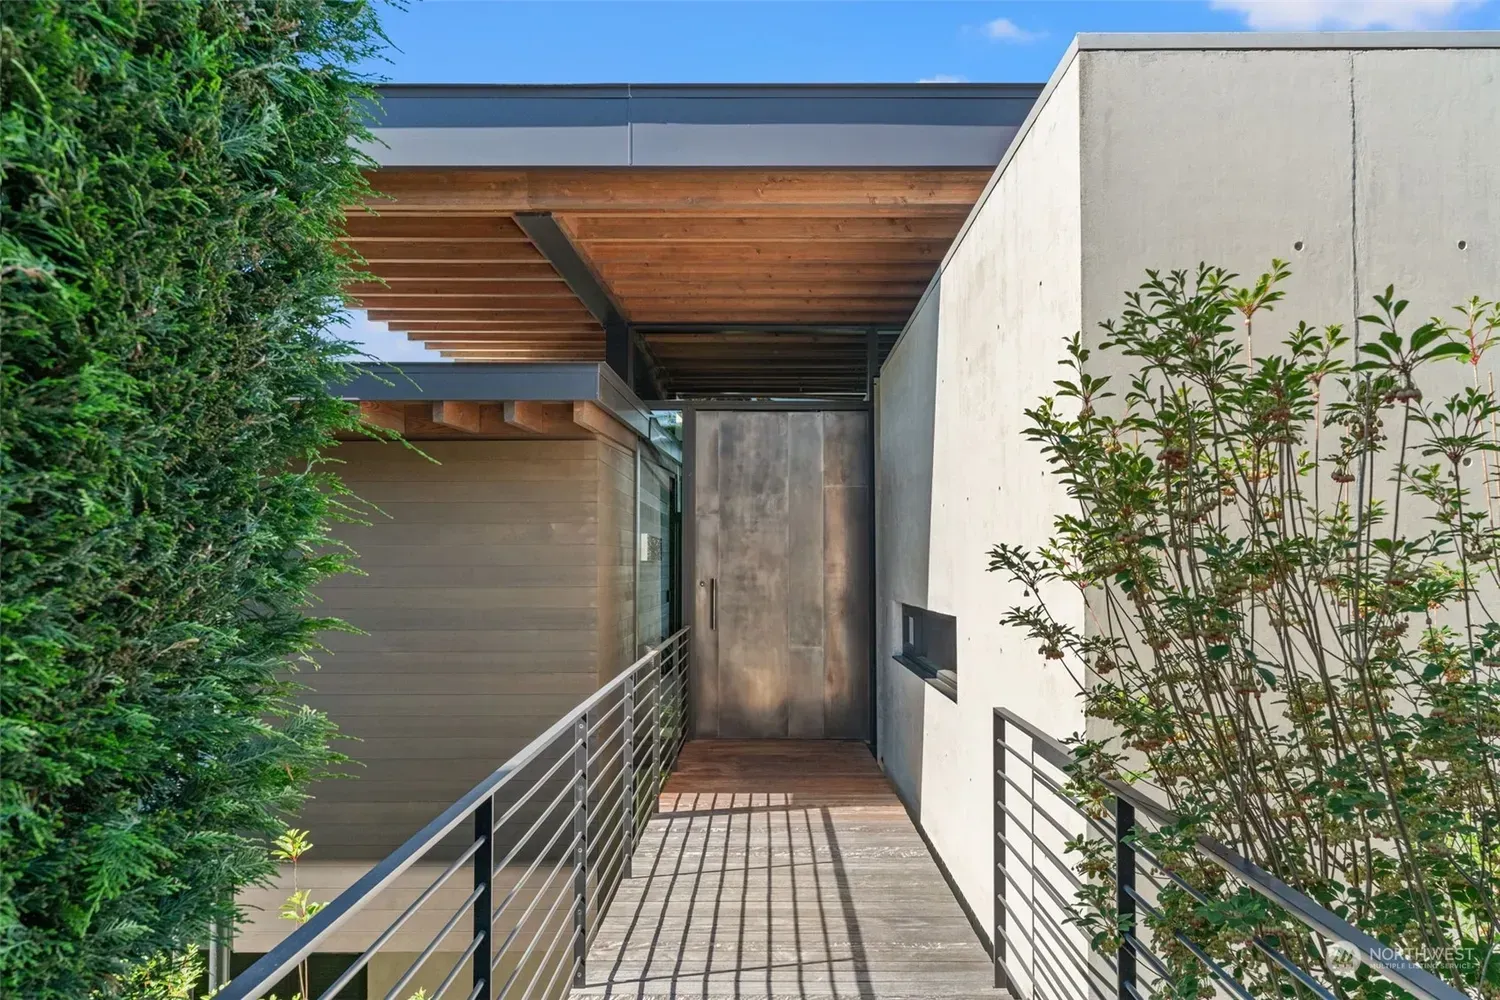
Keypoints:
pixel 542 229
pixel 650 328
pixel 794 405
pixel 542 382
pixel 621 341
pixel 928 674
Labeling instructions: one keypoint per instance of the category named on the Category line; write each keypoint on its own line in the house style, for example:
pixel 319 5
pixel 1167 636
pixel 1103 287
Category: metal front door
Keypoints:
pixel 781 516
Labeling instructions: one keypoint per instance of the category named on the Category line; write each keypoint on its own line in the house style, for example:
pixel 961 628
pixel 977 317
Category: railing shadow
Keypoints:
pixel 735 894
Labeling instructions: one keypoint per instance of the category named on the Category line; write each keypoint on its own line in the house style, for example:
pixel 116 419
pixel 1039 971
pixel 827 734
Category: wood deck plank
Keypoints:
pixel 784 868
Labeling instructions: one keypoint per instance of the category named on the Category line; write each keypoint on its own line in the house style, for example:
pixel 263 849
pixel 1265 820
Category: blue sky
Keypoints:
pixel 465 41
pixel 780 41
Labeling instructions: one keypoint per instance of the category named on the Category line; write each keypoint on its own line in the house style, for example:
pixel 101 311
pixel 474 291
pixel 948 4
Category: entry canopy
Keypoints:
pixel 726 241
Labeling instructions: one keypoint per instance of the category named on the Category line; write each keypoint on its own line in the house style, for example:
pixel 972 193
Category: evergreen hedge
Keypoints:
pixel 174 178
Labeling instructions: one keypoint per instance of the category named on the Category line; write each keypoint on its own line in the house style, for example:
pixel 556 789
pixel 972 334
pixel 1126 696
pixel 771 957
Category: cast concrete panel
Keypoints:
pixel 982 349
pixel 1362 160
pixel 1247 155
pixel 1427 176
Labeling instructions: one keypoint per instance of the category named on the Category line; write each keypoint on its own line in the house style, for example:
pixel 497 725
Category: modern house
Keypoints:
pixel 849 294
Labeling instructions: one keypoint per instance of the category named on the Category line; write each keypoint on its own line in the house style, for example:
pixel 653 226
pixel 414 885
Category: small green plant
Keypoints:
pixel 1288 558
pixel 299 907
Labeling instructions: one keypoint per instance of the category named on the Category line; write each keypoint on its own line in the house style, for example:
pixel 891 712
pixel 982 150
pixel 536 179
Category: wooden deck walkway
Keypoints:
pixel 784 869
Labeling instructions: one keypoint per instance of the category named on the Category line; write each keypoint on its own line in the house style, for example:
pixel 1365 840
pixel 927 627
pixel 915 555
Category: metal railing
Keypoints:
pixel 551 833
pixel 1041 953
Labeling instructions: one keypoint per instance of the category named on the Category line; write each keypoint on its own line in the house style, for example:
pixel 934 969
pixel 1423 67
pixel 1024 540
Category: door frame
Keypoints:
pixel 688 569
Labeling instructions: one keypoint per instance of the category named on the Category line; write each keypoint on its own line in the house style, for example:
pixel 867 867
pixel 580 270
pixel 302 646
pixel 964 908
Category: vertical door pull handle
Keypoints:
pixel 713 604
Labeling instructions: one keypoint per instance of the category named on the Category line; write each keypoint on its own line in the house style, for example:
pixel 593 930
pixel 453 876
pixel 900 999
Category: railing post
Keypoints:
pixel 627 843
pixel 484 878
pixel 656 734
pixel 1124 900
pixel 580 850
pixel 997 779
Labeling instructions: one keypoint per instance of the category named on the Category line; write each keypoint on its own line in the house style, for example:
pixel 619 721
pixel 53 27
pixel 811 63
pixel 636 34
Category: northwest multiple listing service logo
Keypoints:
pixel 1343 958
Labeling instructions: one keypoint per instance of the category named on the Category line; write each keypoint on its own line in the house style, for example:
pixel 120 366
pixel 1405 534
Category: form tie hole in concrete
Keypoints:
pixel 1463 244
pixel 1297 246
pixel 1468 461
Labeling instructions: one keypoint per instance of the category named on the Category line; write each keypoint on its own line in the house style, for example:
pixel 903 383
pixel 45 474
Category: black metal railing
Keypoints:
pixel 547 839
pixel 1041 953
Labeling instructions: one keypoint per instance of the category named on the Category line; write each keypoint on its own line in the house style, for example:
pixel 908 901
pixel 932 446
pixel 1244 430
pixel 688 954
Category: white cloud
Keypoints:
pixel 943 78
pixel 1003 29
pixel 1307 15
pixel 378 340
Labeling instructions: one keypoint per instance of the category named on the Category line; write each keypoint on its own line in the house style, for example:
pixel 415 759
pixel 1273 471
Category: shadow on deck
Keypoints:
pixel 783 869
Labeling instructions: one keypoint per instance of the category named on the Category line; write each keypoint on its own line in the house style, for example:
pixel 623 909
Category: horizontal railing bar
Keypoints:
pixel 432 946
pixel 275 964
pixel 542 965
pixel 536 824
pixel 599 719
pixel 546 919
pixel 1036 806
pixel 606 837
pixel 399 922
pixel 560 967
pixel 458 966
pixel 536 894
pixel 610 788
pixel 565 860
pixel 1053 751
pixel 1062 794
pixel 566 758
pixel 1203 957
pixel 1056 861
pixel 1056 932
pixel 1315 917
pixel 602 745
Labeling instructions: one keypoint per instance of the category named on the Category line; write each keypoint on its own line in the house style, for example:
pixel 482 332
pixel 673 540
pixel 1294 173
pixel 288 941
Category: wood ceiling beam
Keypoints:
pixel 362 227
pixel 755 229
pixel 491 316
pixel 538 418
pixel 620 270
pixel 425 252
pixel 455 271
pixel 390 416
pixel 460 415
pixel 829 317
pixel 593 417
pixel 554 290
pixel 753 254
pixel 497 291
pixel 383 301
pixel 737 191
pixel 638 288
pixel 765 303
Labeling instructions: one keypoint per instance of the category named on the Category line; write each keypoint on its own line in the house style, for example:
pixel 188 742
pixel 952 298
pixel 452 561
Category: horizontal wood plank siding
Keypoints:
pixel 481 601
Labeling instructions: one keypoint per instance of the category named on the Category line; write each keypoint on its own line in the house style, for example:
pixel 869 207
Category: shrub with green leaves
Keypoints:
pixel 174 180
pixel 1290 558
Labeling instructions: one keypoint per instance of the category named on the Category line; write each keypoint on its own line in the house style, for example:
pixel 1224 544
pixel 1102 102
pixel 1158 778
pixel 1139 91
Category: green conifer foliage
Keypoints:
pixel 174 180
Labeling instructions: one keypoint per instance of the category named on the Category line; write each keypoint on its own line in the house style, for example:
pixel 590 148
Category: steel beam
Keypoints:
pixel 621 343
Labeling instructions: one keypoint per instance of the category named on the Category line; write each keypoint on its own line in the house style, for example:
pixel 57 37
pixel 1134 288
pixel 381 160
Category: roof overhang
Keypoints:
pixel 631 125
pixel 701 240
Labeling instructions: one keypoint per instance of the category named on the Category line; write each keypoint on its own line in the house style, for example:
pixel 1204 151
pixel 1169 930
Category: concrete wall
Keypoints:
pixel 1143 153
pixel 956 477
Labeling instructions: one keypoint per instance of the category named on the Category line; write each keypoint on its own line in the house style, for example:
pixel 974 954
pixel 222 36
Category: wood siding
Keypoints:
pixel 491 607
pixel 616 554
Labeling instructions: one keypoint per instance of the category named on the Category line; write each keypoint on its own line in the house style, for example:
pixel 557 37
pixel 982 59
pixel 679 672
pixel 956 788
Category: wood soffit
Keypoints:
pixel 710 250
